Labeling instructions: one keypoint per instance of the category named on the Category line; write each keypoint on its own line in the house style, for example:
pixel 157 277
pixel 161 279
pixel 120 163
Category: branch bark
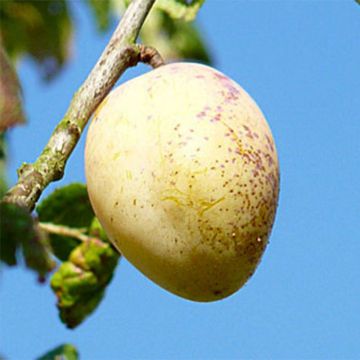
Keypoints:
pixel 120 54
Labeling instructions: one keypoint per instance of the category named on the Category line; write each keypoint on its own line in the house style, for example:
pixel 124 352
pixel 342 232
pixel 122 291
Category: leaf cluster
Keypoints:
pixel 80 282
pixel 87 265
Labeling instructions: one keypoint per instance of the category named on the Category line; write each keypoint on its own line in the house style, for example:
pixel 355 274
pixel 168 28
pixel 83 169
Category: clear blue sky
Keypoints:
pixel 300 60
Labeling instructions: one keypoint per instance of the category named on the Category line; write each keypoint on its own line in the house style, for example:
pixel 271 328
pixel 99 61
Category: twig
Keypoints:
pixel 64 231
pixel 120 53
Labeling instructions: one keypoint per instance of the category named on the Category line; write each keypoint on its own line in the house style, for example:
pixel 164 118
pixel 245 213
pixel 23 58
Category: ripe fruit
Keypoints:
pixel 182 172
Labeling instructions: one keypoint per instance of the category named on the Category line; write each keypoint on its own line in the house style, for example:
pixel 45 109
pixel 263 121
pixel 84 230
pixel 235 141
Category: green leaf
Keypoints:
pixel 180 9
pixel 62 352
pixel 70 206
pixel 174 39
pixel 17 229
pixel 39 29
pixel 96 256
pixel 101 10
pixel 15 226
pixel 96 230
pixel 36 252
pixel 80 283
pixel 11 112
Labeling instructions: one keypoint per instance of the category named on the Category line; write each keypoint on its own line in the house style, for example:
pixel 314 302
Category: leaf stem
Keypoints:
pixel 119 54
pixel 64 231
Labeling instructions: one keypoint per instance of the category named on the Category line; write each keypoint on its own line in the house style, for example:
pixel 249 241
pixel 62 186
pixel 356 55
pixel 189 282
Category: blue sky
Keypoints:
pixel 300 61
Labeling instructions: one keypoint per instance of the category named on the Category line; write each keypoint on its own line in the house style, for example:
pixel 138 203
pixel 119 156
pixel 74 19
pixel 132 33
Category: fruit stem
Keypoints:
pixel 149 55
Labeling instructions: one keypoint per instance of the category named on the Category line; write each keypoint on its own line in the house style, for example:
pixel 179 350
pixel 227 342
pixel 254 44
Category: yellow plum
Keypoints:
pixel 183 174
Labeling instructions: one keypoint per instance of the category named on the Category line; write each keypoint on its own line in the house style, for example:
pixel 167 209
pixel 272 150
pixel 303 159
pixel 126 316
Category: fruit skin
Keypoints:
pixel 183 174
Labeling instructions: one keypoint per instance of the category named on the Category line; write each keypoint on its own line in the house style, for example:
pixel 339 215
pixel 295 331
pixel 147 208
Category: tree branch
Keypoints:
pixel 120 53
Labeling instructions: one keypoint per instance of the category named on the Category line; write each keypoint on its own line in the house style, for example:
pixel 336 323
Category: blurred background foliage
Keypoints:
pixel 43 30
pixel 39 29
